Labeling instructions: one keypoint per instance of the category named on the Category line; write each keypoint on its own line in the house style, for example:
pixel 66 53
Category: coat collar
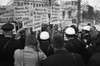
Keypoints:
pixel 27 48
pixel 61 51
pixel 85 34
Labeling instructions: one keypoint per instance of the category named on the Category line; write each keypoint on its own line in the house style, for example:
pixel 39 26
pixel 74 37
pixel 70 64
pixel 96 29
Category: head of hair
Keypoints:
pixel 76 29
pixel 31 40
pixel 89 24
pixel 93 28
pixel 10 33
pixel 70 35
pixel 22 31
pixel 58 41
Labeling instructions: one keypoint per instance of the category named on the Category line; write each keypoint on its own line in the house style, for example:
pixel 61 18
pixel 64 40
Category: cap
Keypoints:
pixel 44 35
pixel 97 27
pixel 7 27
pixel 70 31
pixel 87 28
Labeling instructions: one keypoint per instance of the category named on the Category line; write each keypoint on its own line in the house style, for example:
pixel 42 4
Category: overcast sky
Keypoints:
pixel 94 2
pixel 3 2
pixel 91 2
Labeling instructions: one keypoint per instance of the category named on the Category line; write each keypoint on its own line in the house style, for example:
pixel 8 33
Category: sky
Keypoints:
pixel 3 2
pixel 91 2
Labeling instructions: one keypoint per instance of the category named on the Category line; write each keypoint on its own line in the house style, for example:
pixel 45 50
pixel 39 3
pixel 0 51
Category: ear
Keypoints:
pixel 38 43
pixel 64 44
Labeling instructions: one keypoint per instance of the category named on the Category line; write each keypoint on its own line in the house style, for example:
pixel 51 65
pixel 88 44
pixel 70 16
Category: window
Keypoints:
pixel 42 5
pixel 18 3
pixel 72 3
pixel 22 4
pixel 76 3
pixel 31 3
pixel 36 5
pixel 28 3
pixel 25 3
pixel 39 5
pixel 69 14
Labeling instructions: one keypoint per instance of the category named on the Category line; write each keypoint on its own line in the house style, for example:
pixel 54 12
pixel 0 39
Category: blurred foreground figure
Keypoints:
pixel 62 57
pixel 45 43
pixel 73 44
pixel 86 35
pixel 95 48
pixel 31 55
pixel 95 58
pixel 7 46
pixel 21 36
pixel 95 35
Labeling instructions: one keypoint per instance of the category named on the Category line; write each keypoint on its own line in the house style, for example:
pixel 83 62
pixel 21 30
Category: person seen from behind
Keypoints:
pixel 31 55
pixel 45 43
pixel 61 56
pixel 94 60
pixel 72 44
pixel 20 36
pixel 8 45
pixel 95 35
pixel 86 35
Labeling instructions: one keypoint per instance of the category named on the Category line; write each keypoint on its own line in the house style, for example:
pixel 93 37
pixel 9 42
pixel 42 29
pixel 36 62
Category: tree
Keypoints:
pixel 96 15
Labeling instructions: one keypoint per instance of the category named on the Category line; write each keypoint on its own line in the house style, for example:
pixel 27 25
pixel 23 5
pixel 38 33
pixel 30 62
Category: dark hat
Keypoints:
pixel 7 27
pixel 76 29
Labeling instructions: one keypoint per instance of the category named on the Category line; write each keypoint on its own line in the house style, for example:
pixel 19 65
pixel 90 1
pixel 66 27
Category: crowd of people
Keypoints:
pixel 49 47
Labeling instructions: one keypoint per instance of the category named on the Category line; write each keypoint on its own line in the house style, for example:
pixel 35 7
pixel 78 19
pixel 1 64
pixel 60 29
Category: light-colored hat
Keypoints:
pixel 97 27
pixel 87 28
pixel 44 35
pixel 70 31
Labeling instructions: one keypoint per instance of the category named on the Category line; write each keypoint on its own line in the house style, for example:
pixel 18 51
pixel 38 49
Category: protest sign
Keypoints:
pixel 45 19
pixel 55 15
pixel 40 16
pixel 21 13
pixel 37 26
pixel 28 23
pixel 6 13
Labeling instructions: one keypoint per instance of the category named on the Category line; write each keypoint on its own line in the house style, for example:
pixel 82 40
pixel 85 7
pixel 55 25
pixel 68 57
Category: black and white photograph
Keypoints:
pixel 49 32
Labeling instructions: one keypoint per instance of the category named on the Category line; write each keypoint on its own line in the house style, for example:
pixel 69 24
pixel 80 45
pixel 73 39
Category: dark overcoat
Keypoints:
pixel 64 58
pixel 8 46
